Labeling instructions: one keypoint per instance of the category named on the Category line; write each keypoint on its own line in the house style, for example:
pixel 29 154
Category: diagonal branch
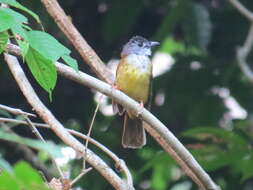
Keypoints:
pixel 157 129
pixel 86 52
pixel 242 9
pixel 57 127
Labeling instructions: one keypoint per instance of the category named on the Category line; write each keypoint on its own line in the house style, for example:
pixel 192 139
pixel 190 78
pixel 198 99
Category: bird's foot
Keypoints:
pixel 141 108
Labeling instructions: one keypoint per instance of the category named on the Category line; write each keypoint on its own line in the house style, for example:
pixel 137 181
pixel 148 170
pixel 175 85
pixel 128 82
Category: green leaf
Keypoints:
pixel 5 113
pixel 3 40
pixel 160 177
pixel 220 159
pixel 172 46
pixel 19 30
pixel 26 27
pixel 245 166
pixel 48 147
pixel 23 177
pixel 24 46
pixel 8 181
pixel 43 69
pixel 8 1
pixel 6 21
pixel 25 173
pixel 203 133
pixel 175 15
pixel 21 7
pixel 70 61
pixel 162 166
pixel 19 17
pixel 46 45
pixel 199 26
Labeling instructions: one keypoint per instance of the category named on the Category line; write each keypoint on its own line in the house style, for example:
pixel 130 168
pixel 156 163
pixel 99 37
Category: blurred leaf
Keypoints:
pixel 245 166
pixel 185 185
pixel 3 40
pixel 25 173
pixel 199 26
pixel 19 17
pixel 21 7
pixel 202 133
pixel 158 157
pixel 160 177
pixel 161 165
pixel 43 70
pixel 120 18
pixel 5 113
pixel 46 45
pixel 6 21
pixel 162 168
pixel 24 177
pixel 178 12
pixel 71 62
pixel 221 158
pixel 48 147
pixel 8 181
pixel 171 46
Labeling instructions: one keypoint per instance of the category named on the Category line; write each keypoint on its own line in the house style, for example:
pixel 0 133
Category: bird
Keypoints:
pixel 134 78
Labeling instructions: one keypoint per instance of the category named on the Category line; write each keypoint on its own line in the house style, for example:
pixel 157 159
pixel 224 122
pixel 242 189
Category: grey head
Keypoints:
pixel 139 46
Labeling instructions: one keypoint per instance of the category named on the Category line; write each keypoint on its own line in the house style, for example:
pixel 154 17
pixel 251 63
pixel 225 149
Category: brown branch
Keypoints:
pixel 159 131
pixel 39 136
pixel 86 52
pixel 57 127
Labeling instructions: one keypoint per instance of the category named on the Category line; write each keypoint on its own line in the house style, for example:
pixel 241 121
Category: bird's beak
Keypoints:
pixel 152 43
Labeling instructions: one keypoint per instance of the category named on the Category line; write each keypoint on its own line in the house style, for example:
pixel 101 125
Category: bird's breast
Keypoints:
pixel 133 76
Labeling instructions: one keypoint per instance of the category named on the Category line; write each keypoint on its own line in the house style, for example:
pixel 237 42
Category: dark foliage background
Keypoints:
pixel 202 37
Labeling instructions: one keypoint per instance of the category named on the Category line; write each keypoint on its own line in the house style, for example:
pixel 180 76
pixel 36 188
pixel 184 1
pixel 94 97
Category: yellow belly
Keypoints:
pixel 134 79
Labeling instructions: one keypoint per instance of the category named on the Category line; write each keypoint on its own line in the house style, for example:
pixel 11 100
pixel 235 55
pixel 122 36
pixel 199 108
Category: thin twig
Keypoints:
pixel 85 171
pixel 90 129
pixel 243 51
pixel 242 54
pixel 119 163
pixel 58 128
pixel 39 136
pixel 15 111
pixel 86 52
pixel 8 120
pixel 242 9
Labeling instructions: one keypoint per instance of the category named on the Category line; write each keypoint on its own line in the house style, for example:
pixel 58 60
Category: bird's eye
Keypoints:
pixel 140 44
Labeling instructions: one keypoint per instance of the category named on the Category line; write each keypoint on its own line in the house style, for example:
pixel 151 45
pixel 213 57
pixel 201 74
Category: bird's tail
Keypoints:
pixel 133 133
